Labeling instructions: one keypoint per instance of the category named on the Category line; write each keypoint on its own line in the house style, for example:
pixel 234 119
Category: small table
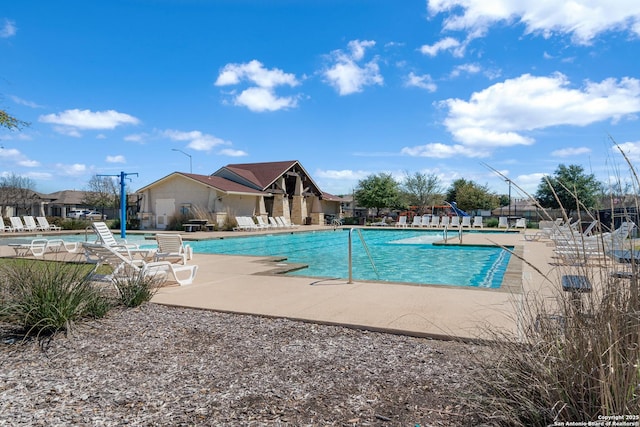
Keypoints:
pixel 195 225
pixel 625 256
pixel 577 285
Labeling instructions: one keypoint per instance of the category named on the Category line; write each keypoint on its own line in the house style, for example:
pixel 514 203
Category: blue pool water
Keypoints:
pixel 399 256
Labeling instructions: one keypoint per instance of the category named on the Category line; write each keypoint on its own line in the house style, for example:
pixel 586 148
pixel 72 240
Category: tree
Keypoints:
pixel 18 191
pixel 570 184
pixel 10 122
pixel 470 196
pixel 378 191
pixel 102 193
pixel 422 190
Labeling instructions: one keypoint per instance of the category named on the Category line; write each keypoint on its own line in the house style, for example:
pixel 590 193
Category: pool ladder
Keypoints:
pixel 445 234
pixel 366 248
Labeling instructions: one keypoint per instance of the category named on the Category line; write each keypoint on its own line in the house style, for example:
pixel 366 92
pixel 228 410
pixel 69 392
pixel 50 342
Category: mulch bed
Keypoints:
pixel 158 365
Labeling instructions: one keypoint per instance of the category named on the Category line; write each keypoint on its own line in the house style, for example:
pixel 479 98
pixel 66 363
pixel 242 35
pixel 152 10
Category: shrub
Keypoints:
pixel 136 289
pixel 47 297
pixel 576 357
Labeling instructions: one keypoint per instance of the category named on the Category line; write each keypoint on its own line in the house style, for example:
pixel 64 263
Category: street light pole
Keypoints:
pixel 188 155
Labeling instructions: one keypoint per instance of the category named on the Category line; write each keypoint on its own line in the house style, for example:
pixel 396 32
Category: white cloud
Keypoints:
pixel 261 99
pixel 466 69
pixel 346 75
pixel 582 19
pixel 630 149
pixel 15 156
pixel 341 174
pixel 500 114
pixel 571 151
pixel 233 153
pixel 441 151
pixel 254 72
pixel 196 140
pixel 75 169
pixel 70 120
pixel 261 96
pixel 446 44
pixel 9 29
pixel 137 137
pixel 423 82
pixel 116 159
pixel 24 102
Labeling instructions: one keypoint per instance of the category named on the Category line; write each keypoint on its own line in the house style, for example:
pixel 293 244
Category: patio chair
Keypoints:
pixel 274 223
pixel 261 223
pixel 125 267
pixel 381 223
pixel 29 223
pixel 435 221
pixel 287 222
pixel 16 223
pixel 444 221
pixel 5 227
pixel 402 221
pixel 106 237
pixel 503 222
pixel 43 224
pixel 466 222
pixel 455 221
pixel 425 221
pixel 417 221
pixel 521 223
pixel 477 222
pixel 37 248
pixel 171 246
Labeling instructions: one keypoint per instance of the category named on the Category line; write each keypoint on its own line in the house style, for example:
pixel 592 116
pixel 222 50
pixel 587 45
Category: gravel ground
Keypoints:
pixel 158 365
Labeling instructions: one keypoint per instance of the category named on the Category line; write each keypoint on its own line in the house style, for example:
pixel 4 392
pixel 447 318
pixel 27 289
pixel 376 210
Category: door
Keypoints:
pixel 165 208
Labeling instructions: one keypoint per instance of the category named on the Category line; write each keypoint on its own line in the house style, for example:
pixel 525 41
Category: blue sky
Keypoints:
pixel 348 88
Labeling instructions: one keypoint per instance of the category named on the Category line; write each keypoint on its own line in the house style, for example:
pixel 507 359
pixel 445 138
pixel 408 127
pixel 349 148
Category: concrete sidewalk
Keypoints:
pixel 247 285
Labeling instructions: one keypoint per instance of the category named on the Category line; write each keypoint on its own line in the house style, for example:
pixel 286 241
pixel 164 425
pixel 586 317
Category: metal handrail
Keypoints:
pixel 366 248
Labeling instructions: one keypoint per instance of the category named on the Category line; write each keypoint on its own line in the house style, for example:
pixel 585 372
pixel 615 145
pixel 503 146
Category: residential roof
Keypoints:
pixel 216 182
pixel 260 174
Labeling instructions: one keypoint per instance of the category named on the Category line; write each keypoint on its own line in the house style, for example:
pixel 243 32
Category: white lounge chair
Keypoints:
pixel 106 237
pixel 503 222
pixel 521 223
pixel 40 247
pixel 16 223
pixel 37 248
pixel 417 221
pixel 425 221
pixel 444 221
pixel 381 223
pixel 124 267
pixel 477 222
pixel 29 223
pixel 287 222
pixel 245 223
pixel 402 221
pixel 466 222
pixel 171 246
pixel 455 221
pixel 5 227
pixel 274 223
pixel 261 223
pixel 43 224
pixel 435 221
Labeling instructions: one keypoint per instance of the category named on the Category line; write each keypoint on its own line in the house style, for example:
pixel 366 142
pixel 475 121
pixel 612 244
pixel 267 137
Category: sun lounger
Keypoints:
pixel 5 227
pixel 40 247
pixel 29 223
pixel 171 246
pixel 43 224
pixel 106 237
pixel 402 221
pixel 16 223
pixel 126 267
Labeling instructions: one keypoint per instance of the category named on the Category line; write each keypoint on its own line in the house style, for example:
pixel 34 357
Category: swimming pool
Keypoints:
pixel 405 256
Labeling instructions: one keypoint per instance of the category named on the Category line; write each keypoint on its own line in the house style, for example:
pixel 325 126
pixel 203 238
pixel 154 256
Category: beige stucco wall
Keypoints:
pixel 185 192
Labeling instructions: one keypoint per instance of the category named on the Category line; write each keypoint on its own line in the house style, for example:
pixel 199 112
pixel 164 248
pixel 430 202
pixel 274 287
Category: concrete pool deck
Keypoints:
pixel 248 285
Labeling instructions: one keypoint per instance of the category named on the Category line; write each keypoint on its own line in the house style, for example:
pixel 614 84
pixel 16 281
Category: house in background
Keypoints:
pixel 249 189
